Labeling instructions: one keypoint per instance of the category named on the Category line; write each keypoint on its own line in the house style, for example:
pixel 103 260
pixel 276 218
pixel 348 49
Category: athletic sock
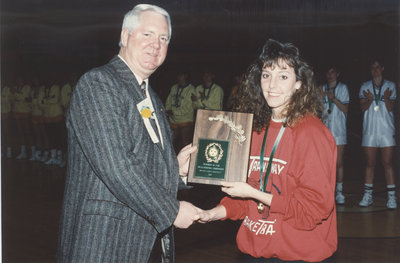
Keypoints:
pixel 339 187
pixel 391 189
pixel 368 188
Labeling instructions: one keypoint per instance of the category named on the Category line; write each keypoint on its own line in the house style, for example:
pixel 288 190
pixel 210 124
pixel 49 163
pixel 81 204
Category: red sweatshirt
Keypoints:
pixel 300 224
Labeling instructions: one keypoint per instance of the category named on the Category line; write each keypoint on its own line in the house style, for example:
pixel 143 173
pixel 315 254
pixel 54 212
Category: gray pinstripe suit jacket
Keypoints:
pixel 120 188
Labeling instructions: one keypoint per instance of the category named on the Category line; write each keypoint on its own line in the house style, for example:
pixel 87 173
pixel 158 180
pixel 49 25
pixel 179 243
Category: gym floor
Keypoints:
pixel 31 206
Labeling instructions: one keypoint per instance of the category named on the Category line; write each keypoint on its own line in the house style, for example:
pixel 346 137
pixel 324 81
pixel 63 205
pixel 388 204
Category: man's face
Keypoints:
pixel 181 79
pixel 208 77
pixel 146 47
pixel 376 70
pixel 332 75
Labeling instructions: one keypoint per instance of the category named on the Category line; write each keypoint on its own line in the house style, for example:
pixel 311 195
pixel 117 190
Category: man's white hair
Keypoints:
pixel 132 18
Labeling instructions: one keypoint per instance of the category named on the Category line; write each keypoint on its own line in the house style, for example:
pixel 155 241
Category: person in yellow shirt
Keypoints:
pixel 53 119
pixel 66 92
pixel 6 102
pixel 209 95
pixel 41 142
pixel 22 109
pixel 180 110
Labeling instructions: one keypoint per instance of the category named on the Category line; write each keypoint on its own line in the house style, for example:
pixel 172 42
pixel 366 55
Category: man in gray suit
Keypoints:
pixel 123 173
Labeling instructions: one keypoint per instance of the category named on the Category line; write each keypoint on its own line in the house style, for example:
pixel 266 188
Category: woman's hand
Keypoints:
pixel 238 189
pixel 330 95
pixel 244 190
pixel 368 95
pixel 387 94
pixel 216 213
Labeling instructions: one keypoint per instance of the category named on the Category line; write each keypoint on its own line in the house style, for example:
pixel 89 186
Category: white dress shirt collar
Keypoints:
pixel 139 79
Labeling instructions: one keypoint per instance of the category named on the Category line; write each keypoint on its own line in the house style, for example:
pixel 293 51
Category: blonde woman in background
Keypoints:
pixel 22 110
pixel 6 104
pixel 40 144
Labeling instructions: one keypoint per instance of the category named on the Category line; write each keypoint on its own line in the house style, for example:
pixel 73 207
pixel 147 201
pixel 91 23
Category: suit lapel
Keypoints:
pixel 130 81
pixel 127 76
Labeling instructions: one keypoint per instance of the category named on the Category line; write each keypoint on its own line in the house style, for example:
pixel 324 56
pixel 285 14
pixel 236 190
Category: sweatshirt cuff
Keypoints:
pixel 228 213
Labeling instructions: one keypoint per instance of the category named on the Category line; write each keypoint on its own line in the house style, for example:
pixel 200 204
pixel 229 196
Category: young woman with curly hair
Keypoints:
pixel 288 204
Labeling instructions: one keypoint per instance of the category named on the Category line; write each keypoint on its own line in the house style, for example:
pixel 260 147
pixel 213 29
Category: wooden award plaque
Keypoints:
pixel 223 145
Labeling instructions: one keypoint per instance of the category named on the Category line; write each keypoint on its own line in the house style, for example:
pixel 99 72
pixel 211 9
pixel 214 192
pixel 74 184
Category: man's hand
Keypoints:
pixel 187 214
pixel 202 95
pixel 184 158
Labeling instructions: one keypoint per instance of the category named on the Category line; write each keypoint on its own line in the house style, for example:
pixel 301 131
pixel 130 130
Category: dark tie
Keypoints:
pixel 143 88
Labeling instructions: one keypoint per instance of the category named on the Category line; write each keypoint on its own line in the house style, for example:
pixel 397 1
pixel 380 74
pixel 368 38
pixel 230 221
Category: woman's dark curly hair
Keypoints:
pixel 304 101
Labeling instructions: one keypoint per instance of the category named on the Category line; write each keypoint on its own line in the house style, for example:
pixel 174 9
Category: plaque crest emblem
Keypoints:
pixel 223 147
pixel 213 152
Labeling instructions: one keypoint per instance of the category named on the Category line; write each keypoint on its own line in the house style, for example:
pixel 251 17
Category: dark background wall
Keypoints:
pixel 57 39
pixel 54 38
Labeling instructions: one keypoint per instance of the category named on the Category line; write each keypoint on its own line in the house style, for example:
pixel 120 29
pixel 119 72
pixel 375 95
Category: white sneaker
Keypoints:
pixel 45 156
pixel 33 151
pixel 22 156
pixel 391 203
pixel 366 200
pixel 33 157
pixel 51 161
pixel 59 158
pixel 57 162
pixel 38 156
pixel 339 198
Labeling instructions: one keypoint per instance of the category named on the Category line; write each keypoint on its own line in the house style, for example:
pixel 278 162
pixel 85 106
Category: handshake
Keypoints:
pixel 188 214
